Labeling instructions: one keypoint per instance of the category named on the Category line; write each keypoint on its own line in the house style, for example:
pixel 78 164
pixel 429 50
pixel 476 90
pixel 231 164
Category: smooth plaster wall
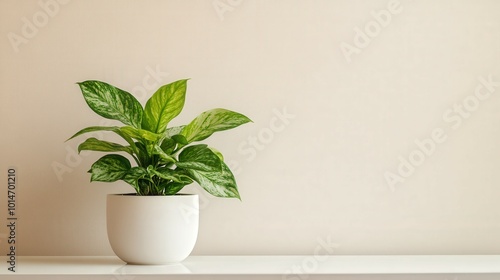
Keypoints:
pixel 340 101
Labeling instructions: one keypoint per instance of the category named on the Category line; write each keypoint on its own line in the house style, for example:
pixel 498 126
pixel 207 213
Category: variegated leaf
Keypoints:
pixel 140 134
pixel 172 188
pixel 112 103
pixel 220 184
pixel 212 121
pixel 133 175
pixel 165 104
pixel 166 157
pixel 94 144
pixel 171 175
pixel 109 168
pixel 199 157
pixel 93 129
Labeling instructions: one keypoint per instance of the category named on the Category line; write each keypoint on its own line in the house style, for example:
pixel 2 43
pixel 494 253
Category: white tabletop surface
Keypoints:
pixel 446 267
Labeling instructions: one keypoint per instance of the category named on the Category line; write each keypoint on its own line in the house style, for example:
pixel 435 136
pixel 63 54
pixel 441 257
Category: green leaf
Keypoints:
pixel 169 144
pixel 120 131
pixel 133 176
pixel 94 144
pixel 212 121
pixel 169 174
pixel 166 157
pixel 199 157
pixel 142 154
pixel 165 104
pixel 112 103
pixel 172 188
pixel 93 129
pixel 180 139
pixel 219 154
pixel 104 146
pixel 139 134
pixel 109 168
pixel 171 131
pixel 220 184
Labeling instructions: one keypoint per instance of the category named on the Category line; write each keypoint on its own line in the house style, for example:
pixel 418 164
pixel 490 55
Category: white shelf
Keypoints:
pixel 459 267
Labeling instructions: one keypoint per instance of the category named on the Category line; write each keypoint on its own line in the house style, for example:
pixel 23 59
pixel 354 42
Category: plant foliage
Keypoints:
pixel 166 158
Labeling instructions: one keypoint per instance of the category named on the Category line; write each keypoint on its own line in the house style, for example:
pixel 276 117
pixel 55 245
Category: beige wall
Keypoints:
pixel 342 94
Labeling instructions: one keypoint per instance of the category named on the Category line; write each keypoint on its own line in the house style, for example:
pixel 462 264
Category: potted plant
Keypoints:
pixel 156 224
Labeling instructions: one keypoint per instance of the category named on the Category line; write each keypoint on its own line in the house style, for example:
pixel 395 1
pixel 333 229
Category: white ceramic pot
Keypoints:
pixel 152 229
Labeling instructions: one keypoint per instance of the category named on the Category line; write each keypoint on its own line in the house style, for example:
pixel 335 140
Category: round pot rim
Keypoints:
pixel 136 195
